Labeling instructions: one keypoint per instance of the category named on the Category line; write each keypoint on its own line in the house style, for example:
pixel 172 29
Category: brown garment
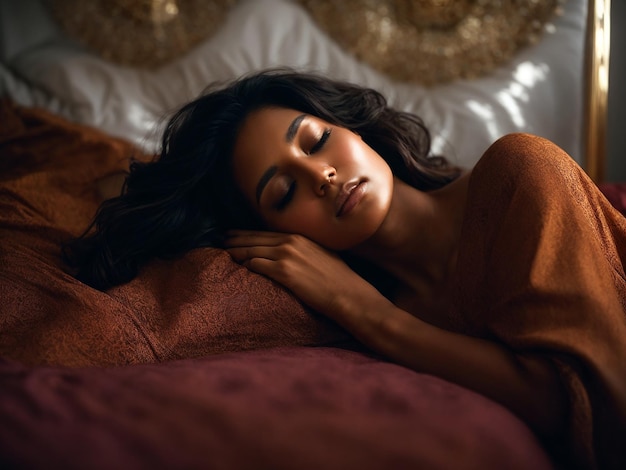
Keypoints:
pixel 542 264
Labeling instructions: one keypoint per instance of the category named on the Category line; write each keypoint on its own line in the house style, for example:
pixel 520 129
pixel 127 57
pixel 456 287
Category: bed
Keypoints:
pixel 199 363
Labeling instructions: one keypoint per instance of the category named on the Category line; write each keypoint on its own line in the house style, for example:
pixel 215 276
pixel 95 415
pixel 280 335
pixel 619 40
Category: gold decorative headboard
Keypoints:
pixel 432 42
pixel 597 87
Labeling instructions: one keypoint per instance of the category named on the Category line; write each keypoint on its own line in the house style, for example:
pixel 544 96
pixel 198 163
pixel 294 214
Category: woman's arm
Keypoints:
pixel 528 386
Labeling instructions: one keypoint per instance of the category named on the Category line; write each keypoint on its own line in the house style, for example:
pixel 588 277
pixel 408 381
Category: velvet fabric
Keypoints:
pixel 541 270
pixel 285 408
pixel 616 194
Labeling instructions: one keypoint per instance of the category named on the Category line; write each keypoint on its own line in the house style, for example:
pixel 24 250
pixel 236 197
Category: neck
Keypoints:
pixel 418 240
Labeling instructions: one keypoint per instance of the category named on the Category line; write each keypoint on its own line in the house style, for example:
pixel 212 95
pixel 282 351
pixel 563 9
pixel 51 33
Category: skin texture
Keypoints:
pixel 414 235
pixel 319 163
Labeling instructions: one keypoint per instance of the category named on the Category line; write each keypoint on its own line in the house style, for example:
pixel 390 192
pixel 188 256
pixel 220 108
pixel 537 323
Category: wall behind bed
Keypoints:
pixel 539 91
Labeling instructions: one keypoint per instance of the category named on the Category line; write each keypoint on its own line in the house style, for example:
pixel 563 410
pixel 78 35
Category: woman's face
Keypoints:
pixel 306 176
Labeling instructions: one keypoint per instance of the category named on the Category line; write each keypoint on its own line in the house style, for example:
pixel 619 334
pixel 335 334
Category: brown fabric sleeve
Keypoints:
pixel 543 260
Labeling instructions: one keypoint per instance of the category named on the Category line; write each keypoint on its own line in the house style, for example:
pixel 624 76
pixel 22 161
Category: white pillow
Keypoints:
pixel 540 91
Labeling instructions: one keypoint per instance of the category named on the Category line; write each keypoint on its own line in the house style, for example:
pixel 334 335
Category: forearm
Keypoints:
pixel 528 386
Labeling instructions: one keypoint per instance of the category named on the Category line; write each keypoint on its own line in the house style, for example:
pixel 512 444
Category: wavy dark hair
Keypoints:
pixel 186 197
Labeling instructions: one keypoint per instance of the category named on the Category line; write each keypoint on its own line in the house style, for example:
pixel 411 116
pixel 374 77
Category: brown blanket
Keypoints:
pixel 546 252
pixel 203 303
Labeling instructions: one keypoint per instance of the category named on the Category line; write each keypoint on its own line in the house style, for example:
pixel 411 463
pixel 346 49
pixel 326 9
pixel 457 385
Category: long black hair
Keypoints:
pixel 186 197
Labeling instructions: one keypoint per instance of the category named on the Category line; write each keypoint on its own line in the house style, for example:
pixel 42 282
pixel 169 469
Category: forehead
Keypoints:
pixel 257 144
pixel 262 128
pixel 267 119
pixel 265 128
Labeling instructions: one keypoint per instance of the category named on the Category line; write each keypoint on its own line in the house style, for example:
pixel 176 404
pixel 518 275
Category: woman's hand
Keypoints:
pixel 318 277
pixel 527 385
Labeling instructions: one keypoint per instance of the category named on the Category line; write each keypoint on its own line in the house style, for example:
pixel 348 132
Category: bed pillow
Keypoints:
pixel 206 303
pixel 200 304
pixel 539 91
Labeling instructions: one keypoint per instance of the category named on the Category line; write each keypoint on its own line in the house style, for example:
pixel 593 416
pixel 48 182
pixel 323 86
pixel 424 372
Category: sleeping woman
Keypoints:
pixel 507 279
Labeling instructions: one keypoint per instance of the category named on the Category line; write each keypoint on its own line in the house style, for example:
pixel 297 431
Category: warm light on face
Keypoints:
pixel 306 176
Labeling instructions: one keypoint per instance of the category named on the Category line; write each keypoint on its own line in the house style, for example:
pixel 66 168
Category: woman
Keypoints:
pixel 508 280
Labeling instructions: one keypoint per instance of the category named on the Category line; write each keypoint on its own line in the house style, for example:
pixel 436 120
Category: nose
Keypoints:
pixel 321 175
pixel 328 178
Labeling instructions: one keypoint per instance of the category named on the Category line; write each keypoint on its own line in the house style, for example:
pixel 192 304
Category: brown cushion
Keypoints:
pixel 203 303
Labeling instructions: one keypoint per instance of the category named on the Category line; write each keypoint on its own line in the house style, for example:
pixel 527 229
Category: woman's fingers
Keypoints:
pixel 318 277
pixel 253 238
pixel 243 253
pixel 245 246
pixel 267 260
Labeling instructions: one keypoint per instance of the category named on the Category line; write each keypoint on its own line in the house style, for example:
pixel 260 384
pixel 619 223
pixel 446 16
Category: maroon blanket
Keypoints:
pixel 286 408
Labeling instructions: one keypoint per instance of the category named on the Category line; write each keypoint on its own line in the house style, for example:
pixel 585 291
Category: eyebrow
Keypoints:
pixel 292 130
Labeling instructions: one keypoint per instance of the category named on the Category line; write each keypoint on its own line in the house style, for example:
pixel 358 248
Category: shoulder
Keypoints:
pixel 529 164
pixel 528 180
pixel 522 155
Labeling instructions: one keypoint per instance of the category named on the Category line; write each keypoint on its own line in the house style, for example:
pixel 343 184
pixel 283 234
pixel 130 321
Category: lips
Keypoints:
pixel 348 198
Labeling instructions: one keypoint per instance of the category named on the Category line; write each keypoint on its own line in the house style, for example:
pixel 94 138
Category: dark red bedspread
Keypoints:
pixel 283 408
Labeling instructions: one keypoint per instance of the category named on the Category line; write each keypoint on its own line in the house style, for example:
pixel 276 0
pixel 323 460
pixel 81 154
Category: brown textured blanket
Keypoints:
pixel 201 304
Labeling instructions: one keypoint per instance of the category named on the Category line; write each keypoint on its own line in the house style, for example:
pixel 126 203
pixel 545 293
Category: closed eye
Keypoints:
pixel 320 143
pixel 286 199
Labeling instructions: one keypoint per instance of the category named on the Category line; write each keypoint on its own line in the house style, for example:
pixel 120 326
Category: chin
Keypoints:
pixel 355 239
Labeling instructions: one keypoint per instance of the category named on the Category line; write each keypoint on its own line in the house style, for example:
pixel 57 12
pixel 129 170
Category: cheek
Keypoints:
pixel 303 218
pixel 245 187
pixel 363 158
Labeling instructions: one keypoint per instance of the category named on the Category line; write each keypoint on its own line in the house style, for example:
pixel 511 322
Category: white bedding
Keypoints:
pixel 539 92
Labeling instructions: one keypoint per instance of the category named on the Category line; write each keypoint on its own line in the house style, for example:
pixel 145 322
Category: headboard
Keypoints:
pixel 597 49
pixel 555 86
